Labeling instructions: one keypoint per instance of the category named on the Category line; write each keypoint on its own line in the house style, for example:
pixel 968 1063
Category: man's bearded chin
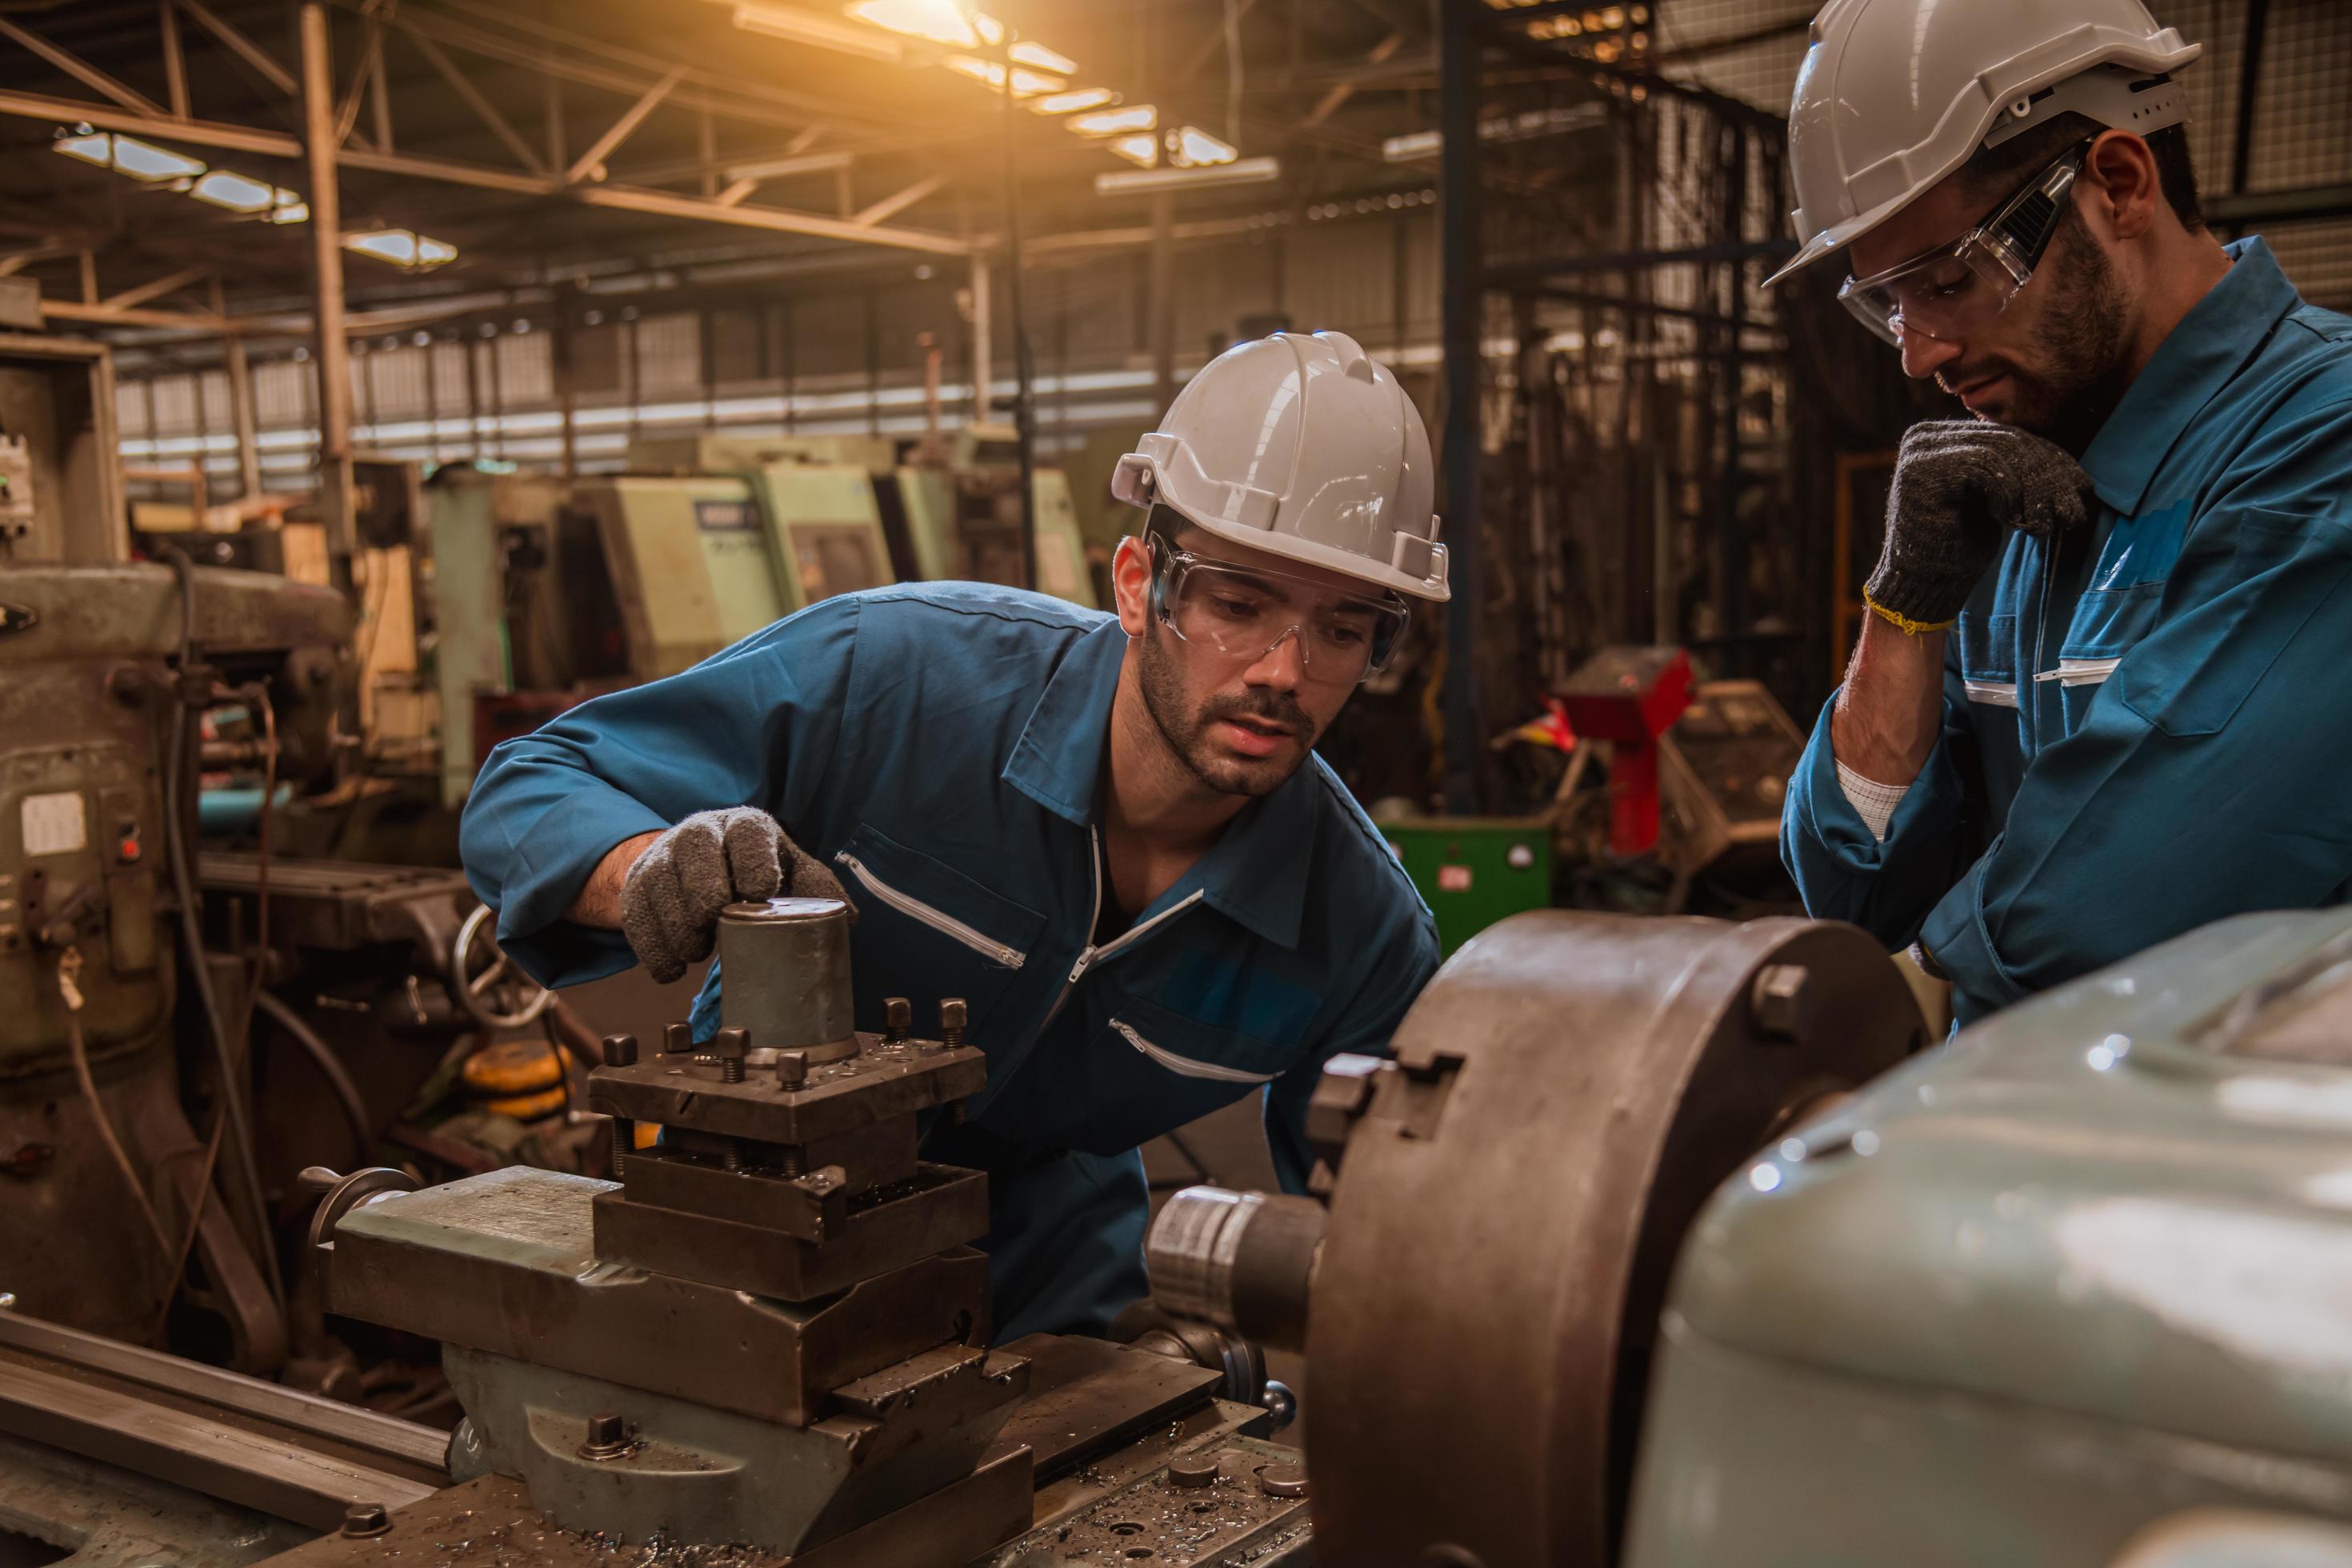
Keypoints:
pixel 1187 736
pixel 2082 376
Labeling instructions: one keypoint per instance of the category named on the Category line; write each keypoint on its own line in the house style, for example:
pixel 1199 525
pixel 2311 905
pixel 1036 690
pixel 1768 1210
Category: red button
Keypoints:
pixel 127 849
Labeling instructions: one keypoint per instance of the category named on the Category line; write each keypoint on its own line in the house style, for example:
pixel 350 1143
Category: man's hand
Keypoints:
pixel 673 893
pixel 1960 486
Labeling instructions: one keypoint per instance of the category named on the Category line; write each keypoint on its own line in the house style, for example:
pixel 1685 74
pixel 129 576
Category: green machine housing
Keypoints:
pixel 2070 1290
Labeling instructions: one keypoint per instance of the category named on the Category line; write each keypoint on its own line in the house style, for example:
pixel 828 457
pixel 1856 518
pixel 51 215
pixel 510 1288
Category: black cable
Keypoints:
pixel 330 1066
pixel 192 931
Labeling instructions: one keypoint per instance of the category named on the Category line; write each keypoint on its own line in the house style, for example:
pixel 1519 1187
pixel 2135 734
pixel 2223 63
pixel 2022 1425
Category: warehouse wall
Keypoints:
pixel 820 358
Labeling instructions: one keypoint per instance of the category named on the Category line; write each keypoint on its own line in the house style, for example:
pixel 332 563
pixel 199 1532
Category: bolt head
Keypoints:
pixel 366 1519
pixel 678 1039
pixel 733 1044
pixel 953 1015
pixel 1779 999
pixel 606 1428
pixel 621 1050
pixel 1282 1481
pixel 792 1069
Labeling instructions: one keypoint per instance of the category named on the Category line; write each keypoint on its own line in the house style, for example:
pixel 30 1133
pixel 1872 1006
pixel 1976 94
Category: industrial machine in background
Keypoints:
pixel 1657 785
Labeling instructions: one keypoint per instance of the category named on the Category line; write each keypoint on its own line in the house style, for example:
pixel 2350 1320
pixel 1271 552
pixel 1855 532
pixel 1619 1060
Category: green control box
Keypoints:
pixel 1474 870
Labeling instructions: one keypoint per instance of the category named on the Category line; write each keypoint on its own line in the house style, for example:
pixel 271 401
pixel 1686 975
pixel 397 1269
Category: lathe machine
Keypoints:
pixel 1662 1243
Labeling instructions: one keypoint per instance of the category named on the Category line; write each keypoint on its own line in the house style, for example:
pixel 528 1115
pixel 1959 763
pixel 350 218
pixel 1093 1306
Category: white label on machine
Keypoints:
pixel 54 824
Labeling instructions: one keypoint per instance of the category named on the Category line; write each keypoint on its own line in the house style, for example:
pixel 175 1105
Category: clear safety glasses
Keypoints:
pixel 1243 613
pixel 1955 289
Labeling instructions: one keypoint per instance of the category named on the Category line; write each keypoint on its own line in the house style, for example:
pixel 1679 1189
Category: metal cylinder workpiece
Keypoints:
pixel 1242 1261
pixel 787 966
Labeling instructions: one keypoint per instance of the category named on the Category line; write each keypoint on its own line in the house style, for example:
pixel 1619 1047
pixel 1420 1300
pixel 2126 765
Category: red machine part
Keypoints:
pixel 1629 697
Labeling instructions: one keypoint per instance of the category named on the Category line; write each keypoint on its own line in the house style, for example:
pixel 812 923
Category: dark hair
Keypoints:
pixel 1995 171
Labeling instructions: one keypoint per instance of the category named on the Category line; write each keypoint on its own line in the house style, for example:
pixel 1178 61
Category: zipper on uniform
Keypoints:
pixel 1187 1066
pixel 947 924
pixel 1089 956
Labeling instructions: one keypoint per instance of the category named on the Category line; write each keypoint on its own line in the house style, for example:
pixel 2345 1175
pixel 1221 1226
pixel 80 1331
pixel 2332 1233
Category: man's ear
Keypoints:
pixel 2124 187
pixel 1131 582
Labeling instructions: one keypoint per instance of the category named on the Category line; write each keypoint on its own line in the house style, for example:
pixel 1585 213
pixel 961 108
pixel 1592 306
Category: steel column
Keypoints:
pixel 240 404
pixel 332 352
pixel 982 328
pixel 1464 293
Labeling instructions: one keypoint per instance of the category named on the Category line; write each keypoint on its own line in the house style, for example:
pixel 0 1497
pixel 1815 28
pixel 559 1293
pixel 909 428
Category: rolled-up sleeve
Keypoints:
pixel 1846 872
pixel 2205 780
pixel 754 725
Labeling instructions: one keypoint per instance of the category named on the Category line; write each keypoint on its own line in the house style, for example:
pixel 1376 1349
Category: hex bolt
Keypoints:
pixel 733 1044
pixel 952 1017
pixel 1282 1481
pixel 678 1039
pixel 792 1069
pixel 363 1519
pixel 1777 1001
pixel 609 1437
pixel 897 1017
pixel 796 1162
pixel 620 1050
pixel 625 1139
pixel 731 1155
pixel 1193 1469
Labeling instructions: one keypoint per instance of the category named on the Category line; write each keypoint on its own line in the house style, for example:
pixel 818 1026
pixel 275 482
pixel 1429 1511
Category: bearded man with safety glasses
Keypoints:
pixel 2097 700
pixel 1107 833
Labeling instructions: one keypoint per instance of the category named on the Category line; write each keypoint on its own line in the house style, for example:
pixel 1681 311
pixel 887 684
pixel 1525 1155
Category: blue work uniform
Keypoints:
pixel 2145 724
pixel 942 747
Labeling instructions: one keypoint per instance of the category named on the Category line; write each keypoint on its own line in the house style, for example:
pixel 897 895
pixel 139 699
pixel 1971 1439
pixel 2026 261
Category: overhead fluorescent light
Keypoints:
pixel 128 155
pixel 1026 83
pixel 936 21
pixel 1071 103
pixel 1140 148
pixel 808 27
pixel 225 188
pixel 1189 147
pixel 1150 182
pixel 400 246
pixel 1117 122
pixel 1033 54
pixel 293 212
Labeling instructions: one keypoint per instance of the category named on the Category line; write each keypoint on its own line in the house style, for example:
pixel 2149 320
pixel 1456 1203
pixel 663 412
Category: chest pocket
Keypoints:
pixel 1988 659
pixel 2280 568
pixel 922 922
pixel 1150 1069
pixel 2120 606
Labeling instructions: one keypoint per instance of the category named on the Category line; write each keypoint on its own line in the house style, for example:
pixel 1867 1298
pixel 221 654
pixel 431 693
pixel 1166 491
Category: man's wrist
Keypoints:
pixel 598 902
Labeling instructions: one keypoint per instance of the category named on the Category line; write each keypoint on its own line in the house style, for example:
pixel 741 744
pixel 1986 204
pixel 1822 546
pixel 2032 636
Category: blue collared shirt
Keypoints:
pixel 941 746
pixel 2145 725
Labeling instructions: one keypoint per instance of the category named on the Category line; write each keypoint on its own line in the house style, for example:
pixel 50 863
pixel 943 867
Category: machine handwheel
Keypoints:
pixel 490 986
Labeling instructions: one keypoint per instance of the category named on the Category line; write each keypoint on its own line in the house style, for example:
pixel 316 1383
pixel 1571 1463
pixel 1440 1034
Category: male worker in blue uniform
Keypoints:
pixel 1107 833
pixel 2097 700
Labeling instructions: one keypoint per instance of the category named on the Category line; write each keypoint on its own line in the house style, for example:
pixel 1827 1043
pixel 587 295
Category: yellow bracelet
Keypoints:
pixel 1903 623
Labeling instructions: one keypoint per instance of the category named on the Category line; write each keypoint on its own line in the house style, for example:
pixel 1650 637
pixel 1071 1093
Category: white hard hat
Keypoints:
pixel 1896 94
pixel 1303 448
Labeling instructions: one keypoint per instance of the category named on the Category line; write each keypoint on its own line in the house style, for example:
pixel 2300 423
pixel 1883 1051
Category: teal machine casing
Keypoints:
pixel 2074 1290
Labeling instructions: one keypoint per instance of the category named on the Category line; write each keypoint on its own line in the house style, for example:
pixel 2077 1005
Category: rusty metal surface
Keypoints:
pixel 289 1477
pixel 489 1522
pixel 338 905
pixel 503 1262
pixel 108 1517
pixel 882 1082
pixel 387 1441
pixel 133 611
pixel 1067 1494
pixel 1087 1396
pixel 1241 1514
pixel 886 1228
pixel 1565 1096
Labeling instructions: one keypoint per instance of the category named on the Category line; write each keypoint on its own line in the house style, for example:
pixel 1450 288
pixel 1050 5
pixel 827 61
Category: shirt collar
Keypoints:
pixel 1256 874
pixel 2210 344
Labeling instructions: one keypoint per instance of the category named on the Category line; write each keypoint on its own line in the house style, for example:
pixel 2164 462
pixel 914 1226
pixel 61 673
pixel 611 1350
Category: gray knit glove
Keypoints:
pixel 671 898
pixel 1960 486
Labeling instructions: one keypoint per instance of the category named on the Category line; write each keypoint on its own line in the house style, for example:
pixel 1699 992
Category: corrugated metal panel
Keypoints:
pixel 449 376
pixel 175 405
pixel 598 361
pixel 129 408
pixel 213 406
pixel 669 354
pixel 282 394
pixel 396 386
pixel 526 368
